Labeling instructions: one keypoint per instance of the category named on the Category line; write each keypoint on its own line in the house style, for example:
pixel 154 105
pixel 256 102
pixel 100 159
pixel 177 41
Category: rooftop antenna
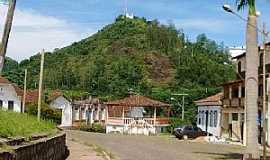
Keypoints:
pixel 126 7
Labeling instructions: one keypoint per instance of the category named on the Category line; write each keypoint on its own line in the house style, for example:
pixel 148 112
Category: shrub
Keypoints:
pixel 96 127
pixel 46 112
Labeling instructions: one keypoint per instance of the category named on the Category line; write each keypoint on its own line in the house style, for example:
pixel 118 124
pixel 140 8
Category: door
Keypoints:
pixel 10 105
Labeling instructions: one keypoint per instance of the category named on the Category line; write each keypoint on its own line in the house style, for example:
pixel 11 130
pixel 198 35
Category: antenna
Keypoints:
pixel 126 7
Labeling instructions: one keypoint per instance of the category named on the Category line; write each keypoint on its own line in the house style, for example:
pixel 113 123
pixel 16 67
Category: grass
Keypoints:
pixel 14 124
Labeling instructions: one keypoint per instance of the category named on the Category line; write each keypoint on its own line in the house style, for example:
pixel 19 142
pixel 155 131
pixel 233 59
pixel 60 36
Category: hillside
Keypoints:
pixel 146 56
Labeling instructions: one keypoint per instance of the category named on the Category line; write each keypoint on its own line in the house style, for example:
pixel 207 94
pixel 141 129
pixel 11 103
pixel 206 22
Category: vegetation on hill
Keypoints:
pixel 14 124
pixel 153 59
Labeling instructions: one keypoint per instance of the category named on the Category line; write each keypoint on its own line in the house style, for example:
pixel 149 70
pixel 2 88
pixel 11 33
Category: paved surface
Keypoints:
pixel 156 147
pixel 80 151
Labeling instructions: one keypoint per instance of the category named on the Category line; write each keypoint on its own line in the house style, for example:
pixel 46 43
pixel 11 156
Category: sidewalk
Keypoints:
pixel 81 152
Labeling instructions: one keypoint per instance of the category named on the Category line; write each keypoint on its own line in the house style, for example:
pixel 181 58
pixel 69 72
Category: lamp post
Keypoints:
pixel 183 103
pixel 264 33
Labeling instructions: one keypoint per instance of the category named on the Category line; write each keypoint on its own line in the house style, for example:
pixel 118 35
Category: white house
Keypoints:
pixel 62 103
pixel 10 96
pixel 88 111
pixel 209 114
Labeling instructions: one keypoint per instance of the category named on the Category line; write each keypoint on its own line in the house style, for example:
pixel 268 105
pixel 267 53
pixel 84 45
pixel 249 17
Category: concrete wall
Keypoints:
pixel 134 130
pixel 212 129
pixel 66 107
pixel 45 149
pixel 8 93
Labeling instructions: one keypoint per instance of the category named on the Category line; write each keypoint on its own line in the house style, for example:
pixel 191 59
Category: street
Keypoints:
pixel 155 147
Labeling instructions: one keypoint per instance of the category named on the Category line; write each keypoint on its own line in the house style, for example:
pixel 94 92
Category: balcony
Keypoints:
pixel 234 102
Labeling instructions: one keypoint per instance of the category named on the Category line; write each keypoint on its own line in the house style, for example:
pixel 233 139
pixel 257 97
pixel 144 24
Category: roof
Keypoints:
pixel 232 82
pixel 90 100
pixel 214 100
pixel 18 90
pixel 138 101
pixel 31 96
pixel 239 56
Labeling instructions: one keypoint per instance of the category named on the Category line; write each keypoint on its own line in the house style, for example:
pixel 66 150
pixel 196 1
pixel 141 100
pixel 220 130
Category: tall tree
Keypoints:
pixel 251 78
pixel 7 29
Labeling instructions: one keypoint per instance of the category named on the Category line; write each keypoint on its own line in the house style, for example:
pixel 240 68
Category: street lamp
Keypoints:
pixel 228 9
pixel 183 102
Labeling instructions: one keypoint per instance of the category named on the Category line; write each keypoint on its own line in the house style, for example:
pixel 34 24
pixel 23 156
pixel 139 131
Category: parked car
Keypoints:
pixel 189 132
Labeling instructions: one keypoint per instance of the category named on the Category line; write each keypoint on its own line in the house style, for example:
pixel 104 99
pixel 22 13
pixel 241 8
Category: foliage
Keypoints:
pixel 241 4
pixel 153 59
pixel 14 124
pixel 46 112
pixel 95 127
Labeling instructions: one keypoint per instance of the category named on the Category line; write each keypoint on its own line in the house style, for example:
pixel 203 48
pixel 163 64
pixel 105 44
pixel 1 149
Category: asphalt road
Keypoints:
pixel 125 147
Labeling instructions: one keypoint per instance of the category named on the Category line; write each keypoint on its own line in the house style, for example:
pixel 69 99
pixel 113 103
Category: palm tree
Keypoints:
pixel 251 78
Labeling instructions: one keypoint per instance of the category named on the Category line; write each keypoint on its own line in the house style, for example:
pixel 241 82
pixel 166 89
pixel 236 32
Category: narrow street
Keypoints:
pixel 80 151
pixel 154 147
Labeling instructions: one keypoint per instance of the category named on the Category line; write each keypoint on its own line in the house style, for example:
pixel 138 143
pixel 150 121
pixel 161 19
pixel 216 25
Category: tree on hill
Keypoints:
pixel 151 58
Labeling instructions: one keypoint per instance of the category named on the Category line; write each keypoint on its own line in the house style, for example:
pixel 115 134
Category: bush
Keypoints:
pixel 46 112
pixel 96 127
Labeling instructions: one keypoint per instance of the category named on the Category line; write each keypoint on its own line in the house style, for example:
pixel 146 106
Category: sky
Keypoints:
pixel 51 24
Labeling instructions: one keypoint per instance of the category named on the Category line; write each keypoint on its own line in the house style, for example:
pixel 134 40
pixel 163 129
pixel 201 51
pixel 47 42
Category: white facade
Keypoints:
pixel 65 106
pixel 9 99
pixel 209 118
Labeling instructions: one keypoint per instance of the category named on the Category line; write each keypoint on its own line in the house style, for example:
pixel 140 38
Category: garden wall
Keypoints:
pixel 53 148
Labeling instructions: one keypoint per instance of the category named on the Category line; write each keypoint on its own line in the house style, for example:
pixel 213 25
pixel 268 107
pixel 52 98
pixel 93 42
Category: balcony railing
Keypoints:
pixel 127 121
pixel 234 102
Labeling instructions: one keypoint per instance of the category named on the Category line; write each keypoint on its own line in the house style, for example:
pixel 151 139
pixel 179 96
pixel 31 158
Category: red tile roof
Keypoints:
pixel 31 96
pixel 214 100
pixel 137 101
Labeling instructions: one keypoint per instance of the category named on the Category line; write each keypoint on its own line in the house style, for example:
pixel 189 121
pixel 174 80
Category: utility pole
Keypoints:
pixel 183 103
pixel 265 37
pixel 6 32
pixel 40 83
pixel 24 90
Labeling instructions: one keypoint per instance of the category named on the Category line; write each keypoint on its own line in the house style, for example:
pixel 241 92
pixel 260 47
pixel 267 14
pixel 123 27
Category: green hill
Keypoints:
pixel 146 56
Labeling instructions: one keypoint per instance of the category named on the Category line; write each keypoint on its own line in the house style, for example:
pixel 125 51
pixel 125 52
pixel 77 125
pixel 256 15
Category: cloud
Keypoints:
pixel 31 32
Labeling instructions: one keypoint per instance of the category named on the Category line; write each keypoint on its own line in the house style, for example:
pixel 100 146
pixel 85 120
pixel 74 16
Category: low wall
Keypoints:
pixel 53 148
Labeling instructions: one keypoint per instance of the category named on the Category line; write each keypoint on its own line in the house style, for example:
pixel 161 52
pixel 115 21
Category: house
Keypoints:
pixel 209 114
pixel 136 115
pixel 56 100
pixel 10 96
pixel 232 117
pixel 88 111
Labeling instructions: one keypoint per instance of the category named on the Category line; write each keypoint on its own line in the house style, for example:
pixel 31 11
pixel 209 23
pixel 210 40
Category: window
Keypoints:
pixel 203 119
pixel 10 105
pixel 200 118
pixel 188 128
pixel 243 91
pixel 235 92
pixel 215 118
pixel 260 90
pixel 1 104
pixel 261 60
pixel 239 67
pixel 235 116
pixel 211 119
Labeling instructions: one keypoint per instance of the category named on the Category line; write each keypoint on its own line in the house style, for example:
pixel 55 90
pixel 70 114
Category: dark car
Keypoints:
pixel 189 132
